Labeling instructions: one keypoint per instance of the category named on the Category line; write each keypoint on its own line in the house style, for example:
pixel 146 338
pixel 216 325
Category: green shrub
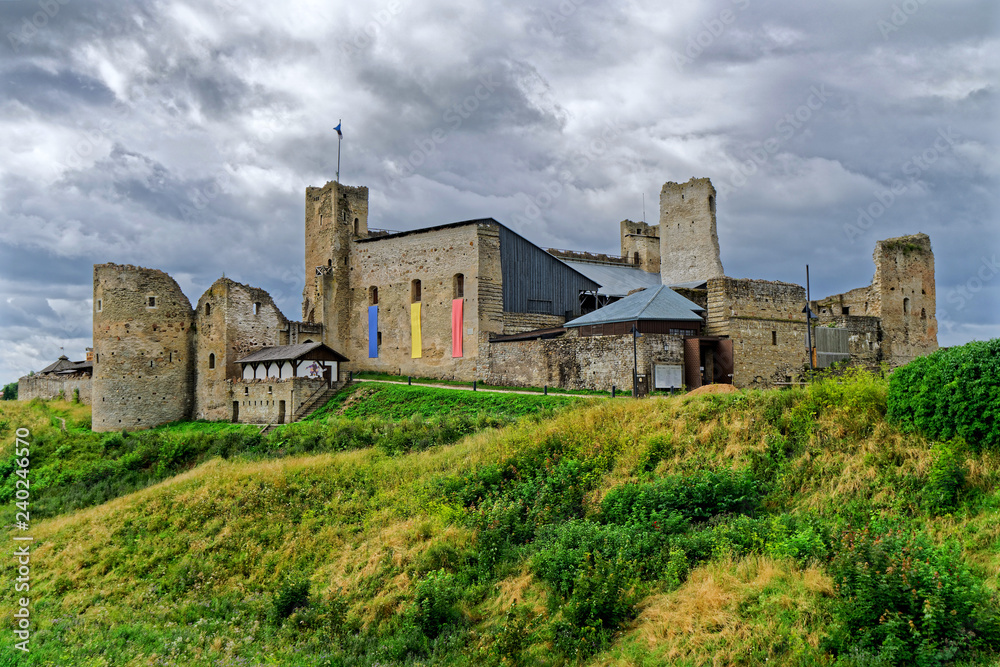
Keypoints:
pixel 604 595
pixel 905 600
pixel 954 392
pixel 437 595
pixel 293 594
pixel 946 479
pixel 697 497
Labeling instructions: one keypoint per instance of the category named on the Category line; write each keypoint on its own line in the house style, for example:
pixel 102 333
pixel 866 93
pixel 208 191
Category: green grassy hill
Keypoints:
pixel 423 526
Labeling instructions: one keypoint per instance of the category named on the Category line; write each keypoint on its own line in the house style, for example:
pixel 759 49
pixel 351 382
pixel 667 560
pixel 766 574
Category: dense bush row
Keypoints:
pixel 954 392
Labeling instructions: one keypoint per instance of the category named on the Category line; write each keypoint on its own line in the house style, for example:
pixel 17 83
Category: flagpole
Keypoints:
pixel 340 138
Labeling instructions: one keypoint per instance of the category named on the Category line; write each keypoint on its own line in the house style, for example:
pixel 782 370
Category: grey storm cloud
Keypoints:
pixel 181 136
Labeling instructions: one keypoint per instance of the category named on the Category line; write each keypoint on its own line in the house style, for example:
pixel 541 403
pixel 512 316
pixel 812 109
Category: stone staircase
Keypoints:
pixel 314 403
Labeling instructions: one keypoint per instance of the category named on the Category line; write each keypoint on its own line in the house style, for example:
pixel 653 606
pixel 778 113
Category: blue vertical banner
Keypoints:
pixel 373 332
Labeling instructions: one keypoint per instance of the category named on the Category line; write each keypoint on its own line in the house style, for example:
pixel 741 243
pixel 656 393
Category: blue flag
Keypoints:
pixel 373 332
pixel 339 133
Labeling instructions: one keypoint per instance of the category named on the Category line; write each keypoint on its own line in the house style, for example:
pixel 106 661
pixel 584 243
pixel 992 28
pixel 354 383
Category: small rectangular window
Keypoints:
pixel 152 302
pixel 774 338
pixel 99 305
pixel 256 308
pixel 846 310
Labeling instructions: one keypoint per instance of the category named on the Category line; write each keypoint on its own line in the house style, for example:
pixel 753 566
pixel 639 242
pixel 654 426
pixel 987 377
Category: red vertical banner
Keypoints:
pixel 456 327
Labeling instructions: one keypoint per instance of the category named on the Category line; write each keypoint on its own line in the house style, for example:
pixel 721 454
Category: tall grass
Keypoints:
pixel 689 531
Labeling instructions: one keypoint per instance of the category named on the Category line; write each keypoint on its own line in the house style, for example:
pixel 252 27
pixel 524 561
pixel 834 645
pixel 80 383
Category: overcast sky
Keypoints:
pixel 182 135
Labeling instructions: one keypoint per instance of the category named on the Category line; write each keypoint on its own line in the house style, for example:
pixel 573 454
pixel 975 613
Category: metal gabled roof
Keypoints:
pixel 615 280
pixel 292 352
pixel 660 303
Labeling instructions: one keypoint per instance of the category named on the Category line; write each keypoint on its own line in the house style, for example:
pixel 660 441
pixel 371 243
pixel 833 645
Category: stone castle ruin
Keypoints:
pixel 474 300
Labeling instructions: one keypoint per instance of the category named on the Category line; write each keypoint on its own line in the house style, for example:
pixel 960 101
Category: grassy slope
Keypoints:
pixel 185 572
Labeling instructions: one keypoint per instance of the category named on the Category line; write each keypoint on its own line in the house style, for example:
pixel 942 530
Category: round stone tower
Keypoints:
pixel 143 349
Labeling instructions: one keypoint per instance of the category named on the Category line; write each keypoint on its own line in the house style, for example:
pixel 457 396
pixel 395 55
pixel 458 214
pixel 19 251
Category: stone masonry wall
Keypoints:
pixel 143 353
pixel 864 338
pixel 765 321
pixel 336 216
pixel 573 362
pixel 232 320
pixel 391 264
pixel 51 386
pixel 260 400
pixel 514 323
pixel 689 242
pixel 639 238
pixel 902 297
pixel 904 281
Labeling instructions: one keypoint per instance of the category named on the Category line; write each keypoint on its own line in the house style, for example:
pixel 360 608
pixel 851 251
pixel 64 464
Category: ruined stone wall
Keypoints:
pixel 902 296
pixel 391 265
pixel 689 242
pixel 260 400
pixel 904 281
pixel 641 241
pixel 699 296
pixel 232 320
pixel 143 354
pixel 514 323
pixel 864 338
pixel 50 387
pixel 573 362
pixel 765 321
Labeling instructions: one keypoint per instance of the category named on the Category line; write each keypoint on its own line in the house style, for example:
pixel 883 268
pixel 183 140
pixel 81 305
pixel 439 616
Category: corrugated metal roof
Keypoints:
pixel 692 284
pixel 616 280
pixel 660 303
pixel 288 353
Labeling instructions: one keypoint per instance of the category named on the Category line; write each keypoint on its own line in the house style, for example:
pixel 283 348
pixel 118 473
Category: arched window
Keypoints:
pixel 906 305
pixel 635 258
pixel 415 291
pixel 711 203
pixel 208 309
pixel 355 226
pixel 211 360
pixel 458 286
pixel 372 296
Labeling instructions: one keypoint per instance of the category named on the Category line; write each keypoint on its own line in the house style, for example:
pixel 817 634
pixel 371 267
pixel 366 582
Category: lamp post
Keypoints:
pixel 635 361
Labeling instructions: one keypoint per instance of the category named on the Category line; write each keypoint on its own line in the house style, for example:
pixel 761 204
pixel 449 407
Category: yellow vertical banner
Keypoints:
pixel 415 343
